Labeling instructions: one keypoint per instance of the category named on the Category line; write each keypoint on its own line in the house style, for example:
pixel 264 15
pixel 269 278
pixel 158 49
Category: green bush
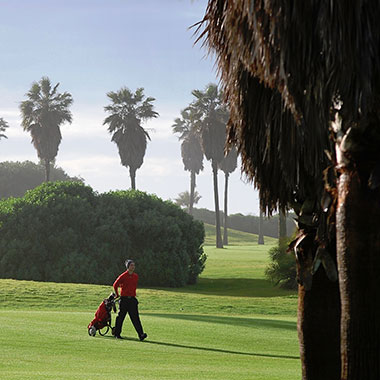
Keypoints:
pixel 282 269
pixel 65 232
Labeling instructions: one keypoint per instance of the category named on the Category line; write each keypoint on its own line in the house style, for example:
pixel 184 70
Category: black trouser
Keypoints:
pixel 128 305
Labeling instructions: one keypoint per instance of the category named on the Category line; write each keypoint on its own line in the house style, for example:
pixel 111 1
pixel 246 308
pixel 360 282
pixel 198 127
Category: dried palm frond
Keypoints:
pixel 283 65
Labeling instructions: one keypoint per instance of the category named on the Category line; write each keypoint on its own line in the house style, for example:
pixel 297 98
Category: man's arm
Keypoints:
pixel 116 286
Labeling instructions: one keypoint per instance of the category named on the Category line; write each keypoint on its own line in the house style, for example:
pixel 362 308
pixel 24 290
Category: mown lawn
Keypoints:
pixel 232 325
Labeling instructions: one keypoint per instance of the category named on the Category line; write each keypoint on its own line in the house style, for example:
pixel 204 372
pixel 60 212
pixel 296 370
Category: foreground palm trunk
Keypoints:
pixel 219 243
pixel 358 216
pixel 318 329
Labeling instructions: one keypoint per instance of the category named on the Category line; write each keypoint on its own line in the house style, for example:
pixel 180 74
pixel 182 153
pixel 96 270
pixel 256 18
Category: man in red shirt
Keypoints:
pixel 127 281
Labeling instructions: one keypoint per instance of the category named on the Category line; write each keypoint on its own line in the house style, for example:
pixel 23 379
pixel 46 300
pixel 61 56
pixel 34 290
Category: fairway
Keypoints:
pixel 232 325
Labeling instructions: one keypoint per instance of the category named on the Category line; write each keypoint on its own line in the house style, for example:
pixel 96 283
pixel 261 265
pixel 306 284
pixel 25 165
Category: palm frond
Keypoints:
pixel 192 154
pixel 3 126
pixel 126 113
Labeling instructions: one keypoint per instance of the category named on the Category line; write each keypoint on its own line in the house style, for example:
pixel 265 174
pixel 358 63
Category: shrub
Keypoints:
pixel 65 232
pixel 282 269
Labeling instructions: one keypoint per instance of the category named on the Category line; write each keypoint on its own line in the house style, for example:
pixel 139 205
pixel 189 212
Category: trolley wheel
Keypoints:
pixel 104 330
pixel 113 330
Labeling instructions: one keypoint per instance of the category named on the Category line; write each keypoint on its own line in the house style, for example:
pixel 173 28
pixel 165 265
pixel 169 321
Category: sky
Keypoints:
pixel 92 47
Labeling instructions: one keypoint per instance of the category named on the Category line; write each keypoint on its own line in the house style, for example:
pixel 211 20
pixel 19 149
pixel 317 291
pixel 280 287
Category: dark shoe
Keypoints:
pixel 142 336
pixel 118 337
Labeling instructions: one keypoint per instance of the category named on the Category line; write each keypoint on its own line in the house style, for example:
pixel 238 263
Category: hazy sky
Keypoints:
pixel 94 46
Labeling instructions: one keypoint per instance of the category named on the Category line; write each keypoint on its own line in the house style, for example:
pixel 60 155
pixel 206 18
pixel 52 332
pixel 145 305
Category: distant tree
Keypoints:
pixel 3 126
pixel 212 115
pixel 126 113
pixel 191 149
pixel 184 199
pixel 42 114
pixel 228 165
pixel 18 177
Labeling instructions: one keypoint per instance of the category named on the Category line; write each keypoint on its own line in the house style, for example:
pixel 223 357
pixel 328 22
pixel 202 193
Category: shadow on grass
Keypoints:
pixel 233 321
pixel 234 287
pixel 218 350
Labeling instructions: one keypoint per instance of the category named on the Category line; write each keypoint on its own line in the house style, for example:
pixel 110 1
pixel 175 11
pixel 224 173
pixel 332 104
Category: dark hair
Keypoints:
pixel 128 263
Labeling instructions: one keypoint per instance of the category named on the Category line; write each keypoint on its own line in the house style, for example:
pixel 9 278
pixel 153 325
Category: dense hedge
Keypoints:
pixel 65 232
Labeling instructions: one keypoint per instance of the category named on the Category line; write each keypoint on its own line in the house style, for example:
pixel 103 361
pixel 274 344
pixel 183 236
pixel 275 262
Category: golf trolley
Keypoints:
pixel 102 320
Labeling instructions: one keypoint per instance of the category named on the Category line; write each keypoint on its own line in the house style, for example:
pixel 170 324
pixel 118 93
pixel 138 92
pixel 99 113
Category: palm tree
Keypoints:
pixel 282 233
pixel 303 87
pixel 42 114
pixel 184 199
pixel 228 165
pixel 260 240
pixel 191 150
pixel 3 126
pixel 126 113
pixel 212 115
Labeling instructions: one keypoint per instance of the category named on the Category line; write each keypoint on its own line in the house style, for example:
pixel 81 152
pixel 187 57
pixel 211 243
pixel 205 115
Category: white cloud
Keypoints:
pixel 161 167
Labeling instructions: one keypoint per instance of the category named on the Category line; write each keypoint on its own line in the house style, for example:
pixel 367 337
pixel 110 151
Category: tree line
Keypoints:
pixel 249 223
pixel 201 129
pixel 18 177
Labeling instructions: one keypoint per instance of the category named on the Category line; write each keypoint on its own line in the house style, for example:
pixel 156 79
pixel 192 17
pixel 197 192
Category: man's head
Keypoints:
pixel 130 264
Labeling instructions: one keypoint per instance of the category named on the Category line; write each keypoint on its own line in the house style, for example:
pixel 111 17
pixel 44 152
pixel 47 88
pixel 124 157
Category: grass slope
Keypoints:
pixel 235 237
pixel 231 325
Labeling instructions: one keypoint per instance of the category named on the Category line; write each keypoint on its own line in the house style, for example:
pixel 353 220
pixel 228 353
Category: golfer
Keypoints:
pixel 127 281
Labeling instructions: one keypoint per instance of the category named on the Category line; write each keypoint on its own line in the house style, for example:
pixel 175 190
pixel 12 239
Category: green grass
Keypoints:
pixel 233 324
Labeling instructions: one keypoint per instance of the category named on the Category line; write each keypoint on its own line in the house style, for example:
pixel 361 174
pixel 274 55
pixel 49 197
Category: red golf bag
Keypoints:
pixel 102 320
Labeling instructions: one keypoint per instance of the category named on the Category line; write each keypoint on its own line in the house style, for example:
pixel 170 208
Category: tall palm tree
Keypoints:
pixel 3 126
pixel 298 64
pixel 191 150
pixel 212 115
pixel 260 239
pixel 44 111
pixel 227 165
pixel 126 113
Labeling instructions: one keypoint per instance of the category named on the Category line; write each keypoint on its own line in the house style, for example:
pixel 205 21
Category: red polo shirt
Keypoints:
pixel 128 284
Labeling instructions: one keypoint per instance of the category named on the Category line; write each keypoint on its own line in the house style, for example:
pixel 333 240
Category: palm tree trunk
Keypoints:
pixel 192 190
pixel 282 234
pixel 319 328
pixel 225 232
pixel 358 245
pixel 261 232
pixel 219 243
pixel 132 174
pixel 47 170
